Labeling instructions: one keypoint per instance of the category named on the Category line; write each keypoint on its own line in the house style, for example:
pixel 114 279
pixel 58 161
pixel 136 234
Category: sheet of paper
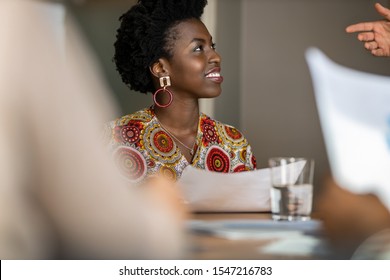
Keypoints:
pixel 249 191
pixel 207 191
pixel 354 110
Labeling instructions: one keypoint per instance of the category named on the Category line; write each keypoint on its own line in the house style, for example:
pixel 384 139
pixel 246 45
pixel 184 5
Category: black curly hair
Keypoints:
pixel 146 33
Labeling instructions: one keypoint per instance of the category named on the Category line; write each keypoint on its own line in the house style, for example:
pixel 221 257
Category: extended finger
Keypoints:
pixel 378 52
pixel 359 27
pixel 382 11
pixel 371 45
pixel 366 36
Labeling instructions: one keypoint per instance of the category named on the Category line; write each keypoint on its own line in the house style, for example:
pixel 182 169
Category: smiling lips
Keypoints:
pixel 215 76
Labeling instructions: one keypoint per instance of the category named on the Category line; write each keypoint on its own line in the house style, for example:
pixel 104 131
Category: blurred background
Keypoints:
pixel 267 91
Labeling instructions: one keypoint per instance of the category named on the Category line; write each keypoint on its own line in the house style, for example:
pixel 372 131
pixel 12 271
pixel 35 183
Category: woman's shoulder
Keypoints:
pixel 217 135
pixel 218 124
pixel 143 116
pixel 224 133
pixel 128 129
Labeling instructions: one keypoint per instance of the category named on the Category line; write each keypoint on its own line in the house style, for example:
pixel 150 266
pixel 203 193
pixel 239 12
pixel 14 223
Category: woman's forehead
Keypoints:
pixel 191 29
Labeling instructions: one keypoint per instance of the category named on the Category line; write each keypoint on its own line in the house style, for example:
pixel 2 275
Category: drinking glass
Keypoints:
pixel 292 188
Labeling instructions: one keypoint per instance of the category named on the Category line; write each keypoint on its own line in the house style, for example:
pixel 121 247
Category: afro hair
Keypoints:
pixel 145 35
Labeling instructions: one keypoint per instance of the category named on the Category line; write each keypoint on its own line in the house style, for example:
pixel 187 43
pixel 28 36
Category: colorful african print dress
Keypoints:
pixel 141 147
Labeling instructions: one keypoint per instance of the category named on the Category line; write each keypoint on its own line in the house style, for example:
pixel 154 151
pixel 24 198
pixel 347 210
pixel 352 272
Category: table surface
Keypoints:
pixel 283 245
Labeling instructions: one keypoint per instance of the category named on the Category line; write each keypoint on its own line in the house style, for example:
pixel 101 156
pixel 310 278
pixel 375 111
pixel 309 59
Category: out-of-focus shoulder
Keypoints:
pixel 144 115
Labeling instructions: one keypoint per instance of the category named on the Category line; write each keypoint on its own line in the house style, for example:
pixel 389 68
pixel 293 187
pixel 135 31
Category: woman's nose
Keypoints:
pixel 214 57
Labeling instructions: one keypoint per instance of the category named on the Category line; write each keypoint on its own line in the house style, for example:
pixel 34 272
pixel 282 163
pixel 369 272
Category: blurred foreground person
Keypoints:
pixel 60 196
pixel 375 34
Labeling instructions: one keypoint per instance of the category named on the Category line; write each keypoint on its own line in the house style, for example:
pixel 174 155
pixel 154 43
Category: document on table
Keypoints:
pixel 249 191
pixel 207 191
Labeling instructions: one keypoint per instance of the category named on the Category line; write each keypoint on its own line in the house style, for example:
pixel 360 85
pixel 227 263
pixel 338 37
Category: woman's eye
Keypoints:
pixel 201 48
pixel 198 48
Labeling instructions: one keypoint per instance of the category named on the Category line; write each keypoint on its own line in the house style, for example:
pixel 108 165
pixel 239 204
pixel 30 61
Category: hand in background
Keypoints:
pixel 374 34
pixel 166 194
pixel 350 218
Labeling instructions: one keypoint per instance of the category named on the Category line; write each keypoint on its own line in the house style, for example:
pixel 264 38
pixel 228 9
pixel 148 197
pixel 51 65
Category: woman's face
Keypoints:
pixel 194 67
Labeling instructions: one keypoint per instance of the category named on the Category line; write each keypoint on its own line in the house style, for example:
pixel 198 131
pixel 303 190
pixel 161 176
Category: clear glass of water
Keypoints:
pixel 292 188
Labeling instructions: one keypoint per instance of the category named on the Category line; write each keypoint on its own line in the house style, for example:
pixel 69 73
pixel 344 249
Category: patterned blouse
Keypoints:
pixel 141 147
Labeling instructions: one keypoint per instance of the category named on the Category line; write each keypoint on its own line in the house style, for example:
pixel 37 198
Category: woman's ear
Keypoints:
pixel 159 68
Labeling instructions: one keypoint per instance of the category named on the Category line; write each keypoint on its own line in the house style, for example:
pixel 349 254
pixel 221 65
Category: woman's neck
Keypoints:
pixel 181 118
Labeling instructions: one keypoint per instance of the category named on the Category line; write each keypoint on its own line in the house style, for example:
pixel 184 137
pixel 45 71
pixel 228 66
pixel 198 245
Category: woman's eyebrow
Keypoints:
pixel 201 40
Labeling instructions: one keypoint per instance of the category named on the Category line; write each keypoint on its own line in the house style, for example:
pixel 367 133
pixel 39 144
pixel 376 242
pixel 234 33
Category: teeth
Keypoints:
pixel 214 74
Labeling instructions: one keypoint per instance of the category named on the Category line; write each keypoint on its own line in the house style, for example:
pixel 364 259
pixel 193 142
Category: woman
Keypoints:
pixel 163 47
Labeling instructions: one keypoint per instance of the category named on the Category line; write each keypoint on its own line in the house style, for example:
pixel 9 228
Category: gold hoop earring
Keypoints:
pixel 164 83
